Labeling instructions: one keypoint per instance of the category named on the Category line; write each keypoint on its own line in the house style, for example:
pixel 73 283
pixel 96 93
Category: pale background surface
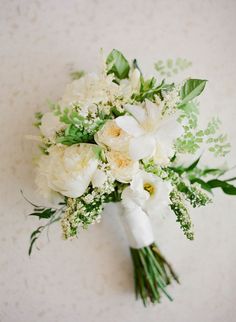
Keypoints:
pixel 90 279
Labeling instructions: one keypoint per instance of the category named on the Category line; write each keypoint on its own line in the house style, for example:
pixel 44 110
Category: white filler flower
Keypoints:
pixel 153 135
pixel 89 90
pixel 50 124
pixel 67 170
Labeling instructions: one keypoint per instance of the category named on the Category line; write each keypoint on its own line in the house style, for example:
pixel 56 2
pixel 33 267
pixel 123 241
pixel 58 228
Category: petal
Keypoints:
pixel 137 111
pixel 129 125
pixel 153 111
pixel 98 178
pixel 142 147
pixel 172 127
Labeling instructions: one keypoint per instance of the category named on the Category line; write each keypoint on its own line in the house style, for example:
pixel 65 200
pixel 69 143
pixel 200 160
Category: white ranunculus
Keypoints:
pixel 122 167
pixel 149 192
pixel 153 135
pixel 67 170
pixel 50 124
pixel 89 90
pixel 113 137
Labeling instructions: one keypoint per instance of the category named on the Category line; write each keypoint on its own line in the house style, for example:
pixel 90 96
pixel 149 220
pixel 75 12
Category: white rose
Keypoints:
pixel 50 124
pixel 122 167
pixel 68 170
pixel 112 136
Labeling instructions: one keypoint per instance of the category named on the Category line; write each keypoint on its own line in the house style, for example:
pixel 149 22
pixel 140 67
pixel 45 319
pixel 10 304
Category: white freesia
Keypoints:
pixel 50 124
pixel 67 170
pixel 153 135
pixel 113 137
pixel 122 167
pixel 149 192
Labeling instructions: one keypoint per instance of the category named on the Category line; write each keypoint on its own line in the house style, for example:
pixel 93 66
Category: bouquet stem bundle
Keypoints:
pixel 152 274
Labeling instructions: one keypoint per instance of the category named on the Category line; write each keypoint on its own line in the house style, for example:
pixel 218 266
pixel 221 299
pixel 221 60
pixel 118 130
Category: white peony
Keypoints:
pixel 149 192
pixel 113 137
pixel 153 135
pixel 122 167
pixel 50 124
pixel 67 170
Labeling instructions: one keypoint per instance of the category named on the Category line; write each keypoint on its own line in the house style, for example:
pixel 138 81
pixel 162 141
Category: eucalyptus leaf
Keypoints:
pixel 117 64
pixel 191 89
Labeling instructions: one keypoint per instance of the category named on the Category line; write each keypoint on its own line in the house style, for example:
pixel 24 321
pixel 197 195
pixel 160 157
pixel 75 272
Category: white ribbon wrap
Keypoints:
pixel 137 226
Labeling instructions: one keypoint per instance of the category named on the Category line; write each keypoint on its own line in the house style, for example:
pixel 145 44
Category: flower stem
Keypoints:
pixel 152 274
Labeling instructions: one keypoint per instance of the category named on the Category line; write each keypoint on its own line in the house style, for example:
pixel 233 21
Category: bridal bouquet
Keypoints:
pixel 116 136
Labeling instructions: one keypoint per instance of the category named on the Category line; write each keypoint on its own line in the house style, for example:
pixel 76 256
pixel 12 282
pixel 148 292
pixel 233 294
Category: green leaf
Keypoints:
pixel 44 213
pixel 191 89
pixel 224 185
pixel 117 64
pixel 202 183
pixel 77 74
pixel 193 165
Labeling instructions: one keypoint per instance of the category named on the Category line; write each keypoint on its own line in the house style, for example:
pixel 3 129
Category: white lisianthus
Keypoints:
pixel 149 192
pixel 50 124
pixel 67 170
pixel 113 137
pixel 122 167
pixel 89 90
pixel 153 135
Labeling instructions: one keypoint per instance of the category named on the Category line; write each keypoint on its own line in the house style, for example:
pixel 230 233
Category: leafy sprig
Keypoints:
pixel 171 67
pixel 51 214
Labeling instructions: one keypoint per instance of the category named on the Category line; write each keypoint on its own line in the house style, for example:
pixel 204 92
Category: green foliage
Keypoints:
pixel 79 129
pixel 149 89
pixel 77 74
pixel 43 213
pixel 191 89
pixel 177 205
pixel 201 176
pixel 182 191
pixel 51 214
pixel 55 108
pixel 226 187
pixel 193 137
pixel 152 274
pixel 117 64
pixel 171 67
pixel 38 116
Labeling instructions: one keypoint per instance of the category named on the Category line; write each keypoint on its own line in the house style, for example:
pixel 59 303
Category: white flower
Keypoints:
pixel 149 192
pixel 50 124
pixel 122 167
pixel 113 137
pixel 89 90
pixel 130 85
pixel 153 134
pixel 67 170
pixel 99 178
